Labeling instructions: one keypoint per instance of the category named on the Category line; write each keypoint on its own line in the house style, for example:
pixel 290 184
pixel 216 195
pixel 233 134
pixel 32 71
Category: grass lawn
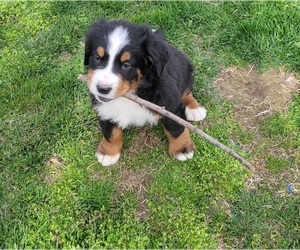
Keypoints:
pixel 54 194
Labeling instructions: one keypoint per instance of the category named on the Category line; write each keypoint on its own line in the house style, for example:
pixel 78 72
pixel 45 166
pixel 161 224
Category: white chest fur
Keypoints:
pixel 126 113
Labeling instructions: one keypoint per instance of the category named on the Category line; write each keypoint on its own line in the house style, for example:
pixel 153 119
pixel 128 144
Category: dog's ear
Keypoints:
pixel 92 32
pixel 157 51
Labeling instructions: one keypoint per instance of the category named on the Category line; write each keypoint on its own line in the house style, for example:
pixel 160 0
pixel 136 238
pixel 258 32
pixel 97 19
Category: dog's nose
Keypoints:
pixel 103 89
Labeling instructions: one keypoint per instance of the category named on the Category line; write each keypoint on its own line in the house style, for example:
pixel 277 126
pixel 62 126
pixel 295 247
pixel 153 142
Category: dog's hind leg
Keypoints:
pixel 193 110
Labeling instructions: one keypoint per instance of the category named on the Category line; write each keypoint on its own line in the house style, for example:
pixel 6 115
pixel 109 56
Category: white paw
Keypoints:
pixel 196 115
pixel 184 156
pixel 107 160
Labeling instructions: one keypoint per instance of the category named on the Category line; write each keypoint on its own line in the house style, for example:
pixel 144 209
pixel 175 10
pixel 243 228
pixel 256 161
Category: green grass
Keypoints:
pixel 53 193
pixel 263 220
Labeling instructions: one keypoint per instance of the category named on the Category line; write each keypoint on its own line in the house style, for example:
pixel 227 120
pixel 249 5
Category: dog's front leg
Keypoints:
pixel 181 145
pixel 109 149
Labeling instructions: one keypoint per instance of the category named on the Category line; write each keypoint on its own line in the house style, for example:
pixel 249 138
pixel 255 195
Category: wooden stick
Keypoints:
pixel 184 123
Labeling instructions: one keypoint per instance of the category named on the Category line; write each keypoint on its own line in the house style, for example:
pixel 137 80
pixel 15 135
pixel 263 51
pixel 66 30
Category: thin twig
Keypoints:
pixel 184 123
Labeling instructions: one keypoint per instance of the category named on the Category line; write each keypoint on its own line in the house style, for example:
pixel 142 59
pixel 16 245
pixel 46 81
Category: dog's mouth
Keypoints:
pixel 103 99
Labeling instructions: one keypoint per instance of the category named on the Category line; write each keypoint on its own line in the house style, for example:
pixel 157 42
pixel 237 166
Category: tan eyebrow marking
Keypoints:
pixel 100 51
pixel 125 56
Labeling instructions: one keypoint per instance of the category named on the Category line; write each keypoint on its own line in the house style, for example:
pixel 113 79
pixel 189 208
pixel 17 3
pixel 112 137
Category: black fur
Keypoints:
pixel 107 128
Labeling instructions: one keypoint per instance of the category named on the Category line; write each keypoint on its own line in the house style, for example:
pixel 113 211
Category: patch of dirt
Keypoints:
pixel 144 141
pixel 95 175
pixel 290 177
pixel 136 182
pixel 55 167
pixel 64 57
pixel 256 95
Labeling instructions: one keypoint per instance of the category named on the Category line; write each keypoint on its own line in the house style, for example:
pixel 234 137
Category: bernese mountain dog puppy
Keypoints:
pixel 123 57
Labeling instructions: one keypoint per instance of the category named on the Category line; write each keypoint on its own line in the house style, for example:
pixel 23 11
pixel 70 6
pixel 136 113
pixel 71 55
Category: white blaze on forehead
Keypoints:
pixel 117 40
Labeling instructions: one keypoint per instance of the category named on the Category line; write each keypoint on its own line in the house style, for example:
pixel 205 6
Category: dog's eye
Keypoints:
pixel 97 58
pixel 126 65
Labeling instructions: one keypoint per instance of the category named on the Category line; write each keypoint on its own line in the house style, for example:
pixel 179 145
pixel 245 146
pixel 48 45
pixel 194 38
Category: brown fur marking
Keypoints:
pixel 189 101
pixel 125 56
pixel 100 51
pixel 114 145
pixel 125 86
pixel 183 143
pixel 90 76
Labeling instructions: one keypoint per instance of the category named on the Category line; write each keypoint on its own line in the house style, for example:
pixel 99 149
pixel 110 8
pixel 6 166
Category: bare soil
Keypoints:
pixel 54 168
pixel 136 182
pixel 256 95
pixel 144 141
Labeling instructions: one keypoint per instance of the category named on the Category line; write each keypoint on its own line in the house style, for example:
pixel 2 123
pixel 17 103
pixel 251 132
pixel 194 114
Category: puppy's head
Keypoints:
pixel 118 54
